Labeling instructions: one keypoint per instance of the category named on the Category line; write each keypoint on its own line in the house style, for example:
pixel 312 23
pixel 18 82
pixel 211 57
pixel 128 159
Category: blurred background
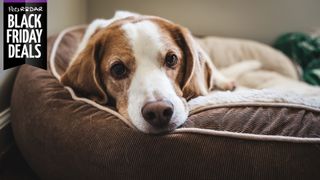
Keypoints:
pixel 259 20
pixel 254 19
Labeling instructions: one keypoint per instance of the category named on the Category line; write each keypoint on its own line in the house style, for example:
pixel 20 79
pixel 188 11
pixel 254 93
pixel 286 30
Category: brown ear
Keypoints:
pixel 196 78
pixel 83 76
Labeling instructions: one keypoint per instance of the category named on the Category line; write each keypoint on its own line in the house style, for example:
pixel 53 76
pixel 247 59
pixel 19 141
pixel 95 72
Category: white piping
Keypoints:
pixel 55 48
pixel 248 136
pixel 177 131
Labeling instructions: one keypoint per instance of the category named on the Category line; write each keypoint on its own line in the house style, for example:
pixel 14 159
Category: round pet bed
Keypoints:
pixel 66 137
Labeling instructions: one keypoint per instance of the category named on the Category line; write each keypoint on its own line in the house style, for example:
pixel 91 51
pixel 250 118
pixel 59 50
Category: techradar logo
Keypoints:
pixel 25 33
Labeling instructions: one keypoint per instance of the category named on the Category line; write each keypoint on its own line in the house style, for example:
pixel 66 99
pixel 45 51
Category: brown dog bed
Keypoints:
pixel 63 137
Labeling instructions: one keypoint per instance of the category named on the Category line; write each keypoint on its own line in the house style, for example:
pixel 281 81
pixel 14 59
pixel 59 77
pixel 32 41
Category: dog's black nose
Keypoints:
pixel 157 113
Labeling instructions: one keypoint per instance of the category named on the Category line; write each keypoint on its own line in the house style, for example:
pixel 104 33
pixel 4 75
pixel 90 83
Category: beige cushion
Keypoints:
pixel 227 51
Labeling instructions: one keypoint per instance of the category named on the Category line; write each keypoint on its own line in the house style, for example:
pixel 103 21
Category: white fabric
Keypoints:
pixel 254 96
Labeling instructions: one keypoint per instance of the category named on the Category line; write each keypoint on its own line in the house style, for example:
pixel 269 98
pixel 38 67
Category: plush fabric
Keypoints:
pixel 253 96
pixel 62 138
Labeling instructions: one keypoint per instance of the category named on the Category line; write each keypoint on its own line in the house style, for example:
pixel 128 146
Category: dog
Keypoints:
pixel 146 67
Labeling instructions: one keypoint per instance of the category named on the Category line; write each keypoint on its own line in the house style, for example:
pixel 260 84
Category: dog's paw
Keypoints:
pixel 230 85
pixel 227 85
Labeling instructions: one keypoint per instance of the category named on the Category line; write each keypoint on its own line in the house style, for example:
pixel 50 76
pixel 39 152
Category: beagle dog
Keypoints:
pixel 146 67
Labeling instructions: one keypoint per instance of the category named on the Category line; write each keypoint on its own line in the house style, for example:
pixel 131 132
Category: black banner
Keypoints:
pixel 25 33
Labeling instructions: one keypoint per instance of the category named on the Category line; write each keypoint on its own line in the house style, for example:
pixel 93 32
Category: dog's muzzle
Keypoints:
pixel 158 113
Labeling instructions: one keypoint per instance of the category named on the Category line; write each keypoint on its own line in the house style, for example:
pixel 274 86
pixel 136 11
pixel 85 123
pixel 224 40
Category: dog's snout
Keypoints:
pixel 157 113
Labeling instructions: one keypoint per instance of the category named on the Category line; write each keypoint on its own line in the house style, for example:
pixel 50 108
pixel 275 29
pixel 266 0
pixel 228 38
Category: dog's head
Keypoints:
pixel 144 66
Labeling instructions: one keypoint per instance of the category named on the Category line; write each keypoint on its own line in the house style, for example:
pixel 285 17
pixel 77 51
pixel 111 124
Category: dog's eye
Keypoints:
pixel 119 70
pixel 171 60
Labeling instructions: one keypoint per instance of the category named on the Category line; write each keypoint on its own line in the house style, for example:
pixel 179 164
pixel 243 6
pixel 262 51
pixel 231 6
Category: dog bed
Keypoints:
pixel 66 137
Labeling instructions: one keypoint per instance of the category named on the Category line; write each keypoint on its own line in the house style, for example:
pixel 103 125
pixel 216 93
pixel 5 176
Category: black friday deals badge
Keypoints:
pixel 25 33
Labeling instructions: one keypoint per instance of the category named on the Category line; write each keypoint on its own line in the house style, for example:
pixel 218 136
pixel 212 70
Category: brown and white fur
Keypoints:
pixel 142 45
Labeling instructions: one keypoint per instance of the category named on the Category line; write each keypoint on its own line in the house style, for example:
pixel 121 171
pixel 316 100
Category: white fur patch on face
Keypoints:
pixel 150 81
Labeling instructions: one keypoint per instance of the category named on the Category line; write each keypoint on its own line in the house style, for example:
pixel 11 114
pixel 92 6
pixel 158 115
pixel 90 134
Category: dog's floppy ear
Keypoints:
pixel 197 69
pixel 83 75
